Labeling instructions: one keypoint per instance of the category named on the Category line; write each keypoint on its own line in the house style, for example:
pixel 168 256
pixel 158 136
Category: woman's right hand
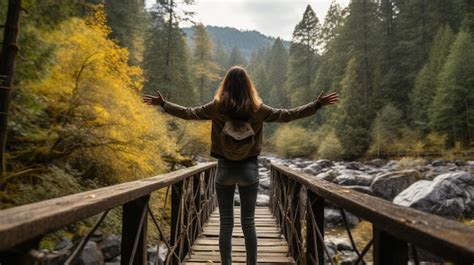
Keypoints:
pixel 154 100
pixel 328 99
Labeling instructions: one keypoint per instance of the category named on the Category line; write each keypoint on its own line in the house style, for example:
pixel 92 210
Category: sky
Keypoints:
pixel 276 18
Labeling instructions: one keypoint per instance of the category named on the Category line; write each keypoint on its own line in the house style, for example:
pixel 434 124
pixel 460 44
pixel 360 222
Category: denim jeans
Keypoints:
pixel 245 175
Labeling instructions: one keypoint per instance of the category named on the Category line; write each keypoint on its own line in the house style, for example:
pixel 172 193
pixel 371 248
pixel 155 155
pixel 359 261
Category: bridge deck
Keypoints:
pixel 272 246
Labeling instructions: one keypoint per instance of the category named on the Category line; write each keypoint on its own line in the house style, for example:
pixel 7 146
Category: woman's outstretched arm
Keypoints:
pixel 286 115
pixel 203 112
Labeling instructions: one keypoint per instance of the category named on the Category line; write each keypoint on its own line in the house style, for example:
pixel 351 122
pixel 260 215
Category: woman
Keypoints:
pixel 237 101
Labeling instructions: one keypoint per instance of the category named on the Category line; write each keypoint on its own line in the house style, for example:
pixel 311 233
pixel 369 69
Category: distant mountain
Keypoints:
pixel 246 40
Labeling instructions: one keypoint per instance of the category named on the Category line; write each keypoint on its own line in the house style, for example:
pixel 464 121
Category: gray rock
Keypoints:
pixel 324 163
pixel 312 169
pixel 329 175
pixel 110 247
pixel 263 200
pixel 377 162
pixel 437 163
pixel 91 255
pixel 332 250
pixel 333 218
pixel 65 244
pixel 449 194
pixel 347 257
pixel 56 257
pixel 351 180
pixel 390 184
pixel 151 253
pixel 264 161
pixel 354 165
pixel 265 183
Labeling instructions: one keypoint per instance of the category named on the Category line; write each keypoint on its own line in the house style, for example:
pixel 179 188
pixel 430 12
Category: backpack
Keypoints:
pixel 237 138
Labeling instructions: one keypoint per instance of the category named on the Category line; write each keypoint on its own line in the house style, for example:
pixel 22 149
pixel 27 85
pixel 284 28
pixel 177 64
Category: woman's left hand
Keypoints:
pixel 328 99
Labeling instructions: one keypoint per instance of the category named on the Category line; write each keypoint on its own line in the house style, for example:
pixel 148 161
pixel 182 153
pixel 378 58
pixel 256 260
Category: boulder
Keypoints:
pixel 91 255
pixel 324 163
pixel 377 162
pixel 450 194
pixel 347 179
pixel 312 169
pixel 265 183
pixel 56 257
pixel 354 165
pixel 263 200
pixel 329 175
pixel 110 247
pixel 390 184
pixel 333 218
pixel 65 244
pixel 265 162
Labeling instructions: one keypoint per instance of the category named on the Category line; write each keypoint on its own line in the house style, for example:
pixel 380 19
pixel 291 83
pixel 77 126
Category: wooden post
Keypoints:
pixel 296 217
pixel 197 206
pixel 132 215
pixel 176 229
pixel 20 254
pixel 316 251
pixel 389 250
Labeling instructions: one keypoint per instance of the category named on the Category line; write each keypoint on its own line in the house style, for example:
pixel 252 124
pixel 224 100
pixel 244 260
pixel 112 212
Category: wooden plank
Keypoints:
pixel 25 222
pixel 241 248
pixel 217 258
pixel 272 247
pixel 449 239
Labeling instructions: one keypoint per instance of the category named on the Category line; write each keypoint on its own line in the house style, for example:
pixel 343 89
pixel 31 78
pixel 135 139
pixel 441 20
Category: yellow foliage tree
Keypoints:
pixel 97 122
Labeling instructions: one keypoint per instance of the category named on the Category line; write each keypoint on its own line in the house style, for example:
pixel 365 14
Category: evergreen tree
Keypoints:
pixel 126 19
pixel 332 23
pixel 277 70
pixel 452 110
pixel 386 128
pixel 352 127
pixel 425 84
pixel 236 58
pixel 206 70
pixel 303 58
pixel 165 61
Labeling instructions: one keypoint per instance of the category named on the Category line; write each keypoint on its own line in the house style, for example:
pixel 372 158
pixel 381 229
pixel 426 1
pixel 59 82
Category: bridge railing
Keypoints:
pixel 192 201
pixel 297 200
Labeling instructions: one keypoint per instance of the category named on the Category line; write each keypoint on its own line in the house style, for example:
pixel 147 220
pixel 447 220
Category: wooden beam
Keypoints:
pixel 449 239
pixel 25 222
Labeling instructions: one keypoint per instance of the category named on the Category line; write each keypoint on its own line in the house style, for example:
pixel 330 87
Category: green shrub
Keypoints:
pixel 330 147
pixel 293 141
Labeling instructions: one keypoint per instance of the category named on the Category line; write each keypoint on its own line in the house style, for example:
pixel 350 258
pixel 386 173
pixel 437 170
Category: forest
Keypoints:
pixel 404 70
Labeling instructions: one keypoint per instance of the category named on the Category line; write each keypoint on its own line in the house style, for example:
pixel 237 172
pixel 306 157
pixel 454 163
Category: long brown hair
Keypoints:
pixel 237 96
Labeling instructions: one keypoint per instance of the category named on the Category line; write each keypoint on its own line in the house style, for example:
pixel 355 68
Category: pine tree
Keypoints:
pixel 352 127
pixel 126 19
pixel 452 110
pixel 277 70
pixel 386 128
pixel 206 70
pixel 236 58
pixel 303 58
pixel 165 61
pixel 425 84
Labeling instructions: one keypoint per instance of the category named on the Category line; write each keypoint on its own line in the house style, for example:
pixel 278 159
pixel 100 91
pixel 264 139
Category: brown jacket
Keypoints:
pixel 266 113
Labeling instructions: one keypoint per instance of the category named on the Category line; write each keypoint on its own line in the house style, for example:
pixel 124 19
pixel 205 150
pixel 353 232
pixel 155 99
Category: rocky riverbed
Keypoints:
pixel 440 187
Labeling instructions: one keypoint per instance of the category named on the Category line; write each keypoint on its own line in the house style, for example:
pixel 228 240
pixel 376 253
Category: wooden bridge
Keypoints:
pixel 290 231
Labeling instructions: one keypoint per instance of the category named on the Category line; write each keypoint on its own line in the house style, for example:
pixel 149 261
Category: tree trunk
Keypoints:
pixel 7 66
